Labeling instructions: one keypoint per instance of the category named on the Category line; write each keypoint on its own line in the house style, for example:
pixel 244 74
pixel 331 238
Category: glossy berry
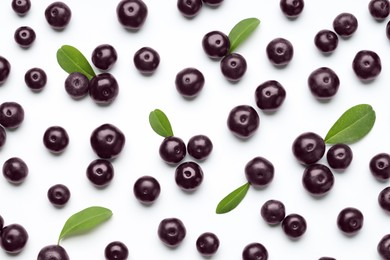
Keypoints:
pixel 104 56
pixel 3 136
pixel 280 51
pixel 367 65
pixel 270 95
pixel 53 252
pixel 21 7
pixel 379 9
pixel 254 251
pixel 273 212
pixel 1 223
pixel 5 68
pixel 35 79
pixel 132 14
pixel 77 85
pixel 326 41
pixel 291 8
pixel 199 147
pixel 323 83
pixel 103 89
pixel 345 24
pixel 207 244
pixel 216 44
pixel 24 36
pixel 383 247
pixel 308 148
pixel 171 232
pixel 56 139
pixel 14 238
pixel 189 82
pixel 339 156
pixel 259 172
pixel 188 176
pixel 15 170
pixel 58 195
pixel 294 226
pixel 213 3
pixel 380 166
pixel 233 67
pixel 172 150
pixel 100 172
pixel 350 220
pixel 384 199
pixel 146 60
pixel 317 179
pixel 146 189
pixel 58 15
pixel 116 250
pixel 11 115
pixel 243 121
pixel 107 141
pixel 189 8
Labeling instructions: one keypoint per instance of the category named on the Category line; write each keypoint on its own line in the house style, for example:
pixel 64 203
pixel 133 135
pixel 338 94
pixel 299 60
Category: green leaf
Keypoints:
pixel 72 60
pixel 232 199
pixel 160 123
pixel 352 126
pixel 241 31
pixel 84 221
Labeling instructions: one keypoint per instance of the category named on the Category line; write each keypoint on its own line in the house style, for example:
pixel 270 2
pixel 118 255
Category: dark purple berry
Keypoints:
pixel 189 82
pixel 292 8
pixel 270 95
pixel 345 24
pixel 383 247
pixel 3 136
pixel 384 199
pixel 58 15
pixel 21 7
pixel 213 3
pixel 323 83
pixel 5 68
pixel 259 172
pixel 280 51
pixel 15 170
pixel 11 115
pixel 387 35
pixel 104 57
pixel 1 223
pixel 189 8
pixel 199 147
pixel 308 148
pixel 55 139
pixel 14 238
pixel 380 166
pixel 100 172
pixel 207 244
pixel 146 60
pixel 77 85
pixel 243 121
pixel 273 212
pixel 116 250
pixel 172 150
pixel 188 176
pixel 171 232
pixel 216 44
pixel 326 41
pixel 339 156
pixel 350 220
pixel 107 141
pixel 24 36
pixel 132 14
pixel 294 225
pixel 317 179
pixel 58 195
pixel 35 79
pixel 379 9
pixel 103 89
pixel 53 252
pixel 254 251
pixel 233 67
pixel 367 65
pixel 146 189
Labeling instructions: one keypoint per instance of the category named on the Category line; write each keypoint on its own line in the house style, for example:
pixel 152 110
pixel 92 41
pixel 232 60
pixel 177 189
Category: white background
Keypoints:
pixel 178 41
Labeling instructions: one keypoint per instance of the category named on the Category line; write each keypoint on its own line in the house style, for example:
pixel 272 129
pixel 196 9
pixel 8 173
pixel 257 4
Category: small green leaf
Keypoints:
pixel 160 123
pixel 72 60
pixel 352 126
pixel 241 32
pixel 84 221
pixel 232 199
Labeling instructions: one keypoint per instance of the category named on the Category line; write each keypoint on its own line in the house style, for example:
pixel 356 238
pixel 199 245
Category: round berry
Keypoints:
pixel 243 121
pixel 56 139
pixel 259 172
pixel 294 225
pixel 280 51
pixel 116 250
pixel 1 223
pixel 207 244
pixel 189 82
pixel 5 68
pixel 189 8
pixel 213 3
pixel 345 24
pixel 233 67
pixel 326 41
pixel 21 7
pixel 384 199
pixel 3 136
pixel 146 189
pixel 53 252
pixel 350 220
pixel 379 9
pixel 273 212
pixel 132 14
pixel 367 65
pixel 107 141
pixel 339 156
pixel 254 251
pixel 199 147
pixel 103 89
pixel 104 57
pixel 172 150
pixel 270 95
pixel 146 60
pixel 308 148
pixel 380 166
pixel 11 115
pixel 58 195
pixel 14 238
pixel 383 247
pixel 292 8
pixel 171 232
pixel 77 85
pixel 188 176
pixel 24 36
pixel 58 15
pixel 100 172
pixel 216 44
pixel 15 170
pixel 35 79
pixel 323 83
pixel 317 179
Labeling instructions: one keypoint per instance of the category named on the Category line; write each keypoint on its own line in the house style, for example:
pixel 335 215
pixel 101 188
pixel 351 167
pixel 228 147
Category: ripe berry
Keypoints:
pixel 292 8
pixel 216 44
pixel 132 14
pixel 3 136
pixel 58 195
pixel 367 65
pixel 380 166
pixel 77 85
pixel 58 15
pixel 104 57
pixel 387 35
pixel 254 251
pixel 339 156
pixel 21 7
pixel 24 36
pixel 350 220
pixel 317 179
pixel 189 8
pixel 15 170
pixel 273 212
pixel 326 41
pixel 146 189
pixel 53 252
pixel 213 3
pixel 384 199
pixel 14 238
pixel 294 226
pixel 35 79
pixel 207 244
pixel 379 9
pixel 199 147
pixel 172 150
pixel 107 141
pixel 383 247
pixel 308 148
pixel 11 115
pixel 259 172
pixel 116 250
pixel 189 82
pixel 270 95
pixel 280 51
pixel 171 232
pixel 100 172
pixel 5 68
pixel 103 89
pixel 323 83
pixel 188 176
pixel 55 139
pixel 233 67
pixel 243 121
pixel 345 24
pixel 146 60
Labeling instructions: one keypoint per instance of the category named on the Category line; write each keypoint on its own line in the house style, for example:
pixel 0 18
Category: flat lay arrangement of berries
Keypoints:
pixel 194 129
